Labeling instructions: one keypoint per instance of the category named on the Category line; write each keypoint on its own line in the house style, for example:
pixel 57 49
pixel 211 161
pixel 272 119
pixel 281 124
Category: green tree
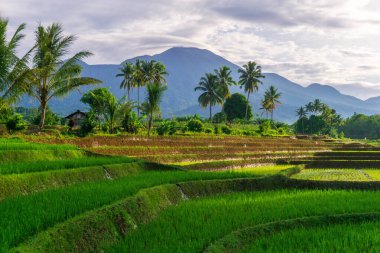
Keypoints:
pixel 235 107
pixel 271 100
pixel 52 75
pixel 250 76
pixel 302 114
pixel 13 70
pixel 155 93
pixel 212 94
pixel 224 80
pixel 128 74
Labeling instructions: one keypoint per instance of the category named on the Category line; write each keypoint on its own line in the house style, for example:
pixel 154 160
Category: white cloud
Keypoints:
pixel 332 42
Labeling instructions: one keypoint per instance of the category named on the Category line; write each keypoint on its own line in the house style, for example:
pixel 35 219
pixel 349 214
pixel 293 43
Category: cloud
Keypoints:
pixel 325 41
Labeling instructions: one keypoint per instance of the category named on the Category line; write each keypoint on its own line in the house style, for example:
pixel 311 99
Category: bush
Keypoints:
pixel 226 130
pixel 166 127
pixel 208 130
pixel 15 123
pixel 216 130
pixel 131 123
pixel 195 125
pixel 219 117
pixel 87 125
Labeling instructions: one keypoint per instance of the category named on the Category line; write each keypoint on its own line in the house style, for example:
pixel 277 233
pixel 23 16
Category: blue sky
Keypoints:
pixel 332 42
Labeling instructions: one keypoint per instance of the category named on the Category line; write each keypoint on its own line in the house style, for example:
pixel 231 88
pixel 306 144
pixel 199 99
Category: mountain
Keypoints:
pixel 185 66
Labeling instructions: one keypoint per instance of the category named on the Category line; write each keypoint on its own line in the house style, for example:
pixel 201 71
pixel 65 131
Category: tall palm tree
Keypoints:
pixel 212 94
pixel 310 109
pixel 159 73
pixel 155 92
pixel 225 80
pixel 139 82
pixel 250 76
pixel 318 106
pixel 301 113
pixel 13 70
pixel 128 74
pixel 52 75
pixel 272 99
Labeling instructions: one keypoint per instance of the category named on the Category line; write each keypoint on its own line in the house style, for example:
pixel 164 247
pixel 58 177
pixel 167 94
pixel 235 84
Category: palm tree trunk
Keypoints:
pixel 129 92
pixel 150 123
pixel 138 99
pixel 210 113
pixel 43 115
pixel 271 116
pixel 246 108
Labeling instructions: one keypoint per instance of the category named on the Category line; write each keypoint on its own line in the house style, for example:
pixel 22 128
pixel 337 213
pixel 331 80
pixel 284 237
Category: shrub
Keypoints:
pixel 219 117
pixel 166 127
pixel 195 125
pixel 209 130
pixel 15 123
pixel 216 129
pixel 235 107
pixel 226 130
pixel 131 123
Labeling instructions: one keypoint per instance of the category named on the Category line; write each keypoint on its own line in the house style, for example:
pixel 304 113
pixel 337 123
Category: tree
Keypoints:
pixel 212 93
pixel 128 74
pixel 155 93
pixel 302 114
pixel 250 76
pixel 235 107
pixel 13 70
pixel 224 80
pixel 271 100
pixel 106 106
pixel 52 76
pixel 318 106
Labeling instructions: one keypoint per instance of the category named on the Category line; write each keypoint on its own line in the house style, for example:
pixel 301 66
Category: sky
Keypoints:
pixel 333 42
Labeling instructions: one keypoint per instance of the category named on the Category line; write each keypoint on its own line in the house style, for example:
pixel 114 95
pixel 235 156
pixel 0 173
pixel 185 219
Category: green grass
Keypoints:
pixel 27 215
pixel 195 224
pixel 349 238
pixel 26 167
pixel 332 175
pixel 374 174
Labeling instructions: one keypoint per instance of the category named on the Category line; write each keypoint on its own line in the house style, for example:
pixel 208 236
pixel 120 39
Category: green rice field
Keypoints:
pixel 188 194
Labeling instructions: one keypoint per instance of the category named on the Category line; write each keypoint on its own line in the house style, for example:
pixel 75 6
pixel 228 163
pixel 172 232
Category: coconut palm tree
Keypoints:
pixel 155 93
pixel 272 99
pixel 52 75
pixel 310 109
pixel 318 106
pixel 212 93
pixel 138 78
pixel 128 74
pixel 250 76
pixel 13 70
pixel 224 80
pixel 159 73
pixel 301 113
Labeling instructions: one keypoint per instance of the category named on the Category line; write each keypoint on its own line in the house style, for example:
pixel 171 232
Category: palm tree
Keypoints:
pixel 272 99
pixel 52 76
pixel 301 113
pixel 212 94
pixel 128 74
pixel 13 70
pixel 250 78
pixel 310 109
pixel 159 73
pixel 225 80
pixel 318 106
pixel 138 77
pixel 155 93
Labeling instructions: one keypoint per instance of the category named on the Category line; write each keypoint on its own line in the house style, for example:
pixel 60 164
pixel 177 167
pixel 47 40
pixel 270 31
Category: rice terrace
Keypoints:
pixel 124 128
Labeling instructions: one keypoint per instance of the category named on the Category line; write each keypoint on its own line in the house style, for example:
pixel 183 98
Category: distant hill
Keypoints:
pixel 187 65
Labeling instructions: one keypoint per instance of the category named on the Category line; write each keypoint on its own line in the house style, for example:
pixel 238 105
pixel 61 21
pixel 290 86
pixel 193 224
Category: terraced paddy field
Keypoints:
pixel 188 194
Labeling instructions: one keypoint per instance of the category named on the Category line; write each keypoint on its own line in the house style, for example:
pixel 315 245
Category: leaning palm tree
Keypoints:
pixel 52 76
pixel 128 74
pixel 13 70
pixel 272 99
pixel 212 94
pixel 155 93
pixel 250 77
pixel 224 80
pixel 301 113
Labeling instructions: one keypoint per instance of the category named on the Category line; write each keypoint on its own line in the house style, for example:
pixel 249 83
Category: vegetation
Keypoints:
pixel 235 107
pixel 250 77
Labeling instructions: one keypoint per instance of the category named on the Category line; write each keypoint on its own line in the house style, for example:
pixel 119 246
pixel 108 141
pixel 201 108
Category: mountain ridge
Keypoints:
pixel 186 65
